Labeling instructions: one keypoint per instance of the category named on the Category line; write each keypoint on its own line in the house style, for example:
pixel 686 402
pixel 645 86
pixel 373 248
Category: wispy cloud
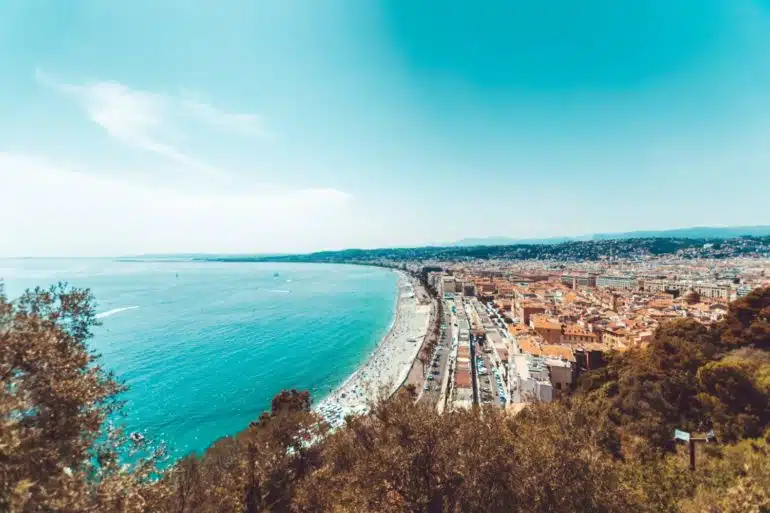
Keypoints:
pixel 151 121
pixel 250 125
pixel 79 212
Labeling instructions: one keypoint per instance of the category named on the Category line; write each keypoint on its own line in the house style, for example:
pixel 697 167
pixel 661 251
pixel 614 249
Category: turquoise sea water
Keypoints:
pixel 205 346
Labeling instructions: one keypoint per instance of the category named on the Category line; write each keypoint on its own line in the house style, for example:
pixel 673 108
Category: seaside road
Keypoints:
pixel 438 368
pixel 416 376
pixel 488 383
pixel 429 390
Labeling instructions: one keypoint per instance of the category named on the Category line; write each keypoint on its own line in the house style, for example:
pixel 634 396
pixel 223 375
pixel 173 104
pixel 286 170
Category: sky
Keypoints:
pixel 236 126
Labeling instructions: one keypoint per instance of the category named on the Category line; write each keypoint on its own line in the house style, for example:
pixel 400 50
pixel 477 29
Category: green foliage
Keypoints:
pixel 405 457
pixel 290 401
pixel 732 479
pixel 649 392
pixel 55 454
pixel 732 401
pixel 748 321
pixel 688 378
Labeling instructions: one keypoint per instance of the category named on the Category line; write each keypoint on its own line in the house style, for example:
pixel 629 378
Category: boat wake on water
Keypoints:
pixel 102 315
pixel 274 291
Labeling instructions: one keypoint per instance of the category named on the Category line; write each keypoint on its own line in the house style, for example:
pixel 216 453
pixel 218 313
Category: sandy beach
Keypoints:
pixel 389 364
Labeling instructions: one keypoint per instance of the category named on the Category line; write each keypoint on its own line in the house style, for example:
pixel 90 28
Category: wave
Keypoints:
pixel 278 291
pixel 114 311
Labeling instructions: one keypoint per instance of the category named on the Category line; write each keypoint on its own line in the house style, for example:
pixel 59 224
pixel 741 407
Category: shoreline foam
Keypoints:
pixel 389 364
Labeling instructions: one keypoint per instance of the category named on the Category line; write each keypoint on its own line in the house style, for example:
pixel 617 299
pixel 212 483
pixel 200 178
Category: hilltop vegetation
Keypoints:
pixel 565 251
pixel 606 449
pixel 692 377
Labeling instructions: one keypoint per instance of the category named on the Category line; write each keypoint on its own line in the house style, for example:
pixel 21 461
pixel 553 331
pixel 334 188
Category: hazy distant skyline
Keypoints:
pixel 250 127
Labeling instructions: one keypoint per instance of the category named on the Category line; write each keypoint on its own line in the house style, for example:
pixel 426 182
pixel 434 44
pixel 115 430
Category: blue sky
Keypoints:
pixel 243 126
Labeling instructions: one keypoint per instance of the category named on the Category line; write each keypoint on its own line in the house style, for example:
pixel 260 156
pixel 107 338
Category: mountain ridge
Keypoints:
pixel 695 232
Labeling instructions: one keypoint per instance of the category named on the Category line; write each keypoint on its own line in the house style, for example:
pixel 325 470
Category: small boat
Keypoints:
pixel 137 438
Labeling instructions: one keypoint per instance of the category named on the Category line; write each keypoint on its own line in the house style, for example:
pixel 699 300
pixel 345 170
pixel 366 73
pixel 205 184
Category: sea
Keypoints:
pixel 204 346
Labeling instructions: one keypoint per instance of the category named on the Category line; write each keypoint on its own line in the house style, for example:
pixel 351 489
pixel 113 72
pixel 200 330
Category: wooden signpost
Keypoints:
pixel 685 437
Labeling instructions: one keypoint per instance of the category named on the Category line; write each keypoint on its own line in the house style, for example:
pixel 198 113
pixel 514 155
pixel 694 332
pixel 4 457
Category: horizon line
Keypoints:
pixel 429 245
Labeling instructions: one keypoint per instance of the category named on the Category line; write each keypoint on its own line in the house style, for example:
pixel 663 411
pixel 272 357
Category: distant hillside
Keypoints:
pixel 507 241
pixel 698 232
pixel 585 250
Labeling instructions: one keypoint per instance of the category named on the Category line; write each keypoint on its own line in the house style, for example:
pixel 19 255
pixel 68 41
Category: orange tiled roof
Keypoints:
pixel 531 304
pixel 558 352
pixel 574 329
pixel 544 323
pixel 517 329
pixel 529 344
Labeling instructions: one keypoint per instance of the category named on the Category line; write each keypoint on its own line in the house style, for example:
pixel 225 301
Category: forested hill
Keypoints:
pixel 567 251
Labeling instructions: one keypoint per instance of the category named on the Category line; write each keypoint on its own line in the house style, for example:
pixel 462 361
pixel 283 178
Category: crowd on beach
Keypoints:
pixel 388 365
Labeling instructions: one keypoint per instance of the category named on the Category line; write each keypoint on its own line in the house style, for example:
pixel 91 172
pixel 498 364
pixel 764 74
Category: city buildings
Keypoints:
pixel 527 329
pixel 579 280
pixel 616 282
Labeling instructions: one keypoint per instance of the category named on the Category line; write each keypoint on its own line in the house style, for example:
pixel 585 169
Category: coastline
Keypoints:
pixel 389 363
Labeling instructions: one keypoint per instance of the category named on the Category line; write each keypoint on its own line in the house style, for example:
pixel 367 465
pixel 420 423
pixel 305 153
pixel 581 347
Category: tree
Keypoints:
pixel 424 359
pixel 747 322
pixel 410 390
pixel 733 404
pixel 55 452
pixel 186 479
pixel 692 297
pixel 404 457
pixel 650 391
pixel 258 469
pixel 290 401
